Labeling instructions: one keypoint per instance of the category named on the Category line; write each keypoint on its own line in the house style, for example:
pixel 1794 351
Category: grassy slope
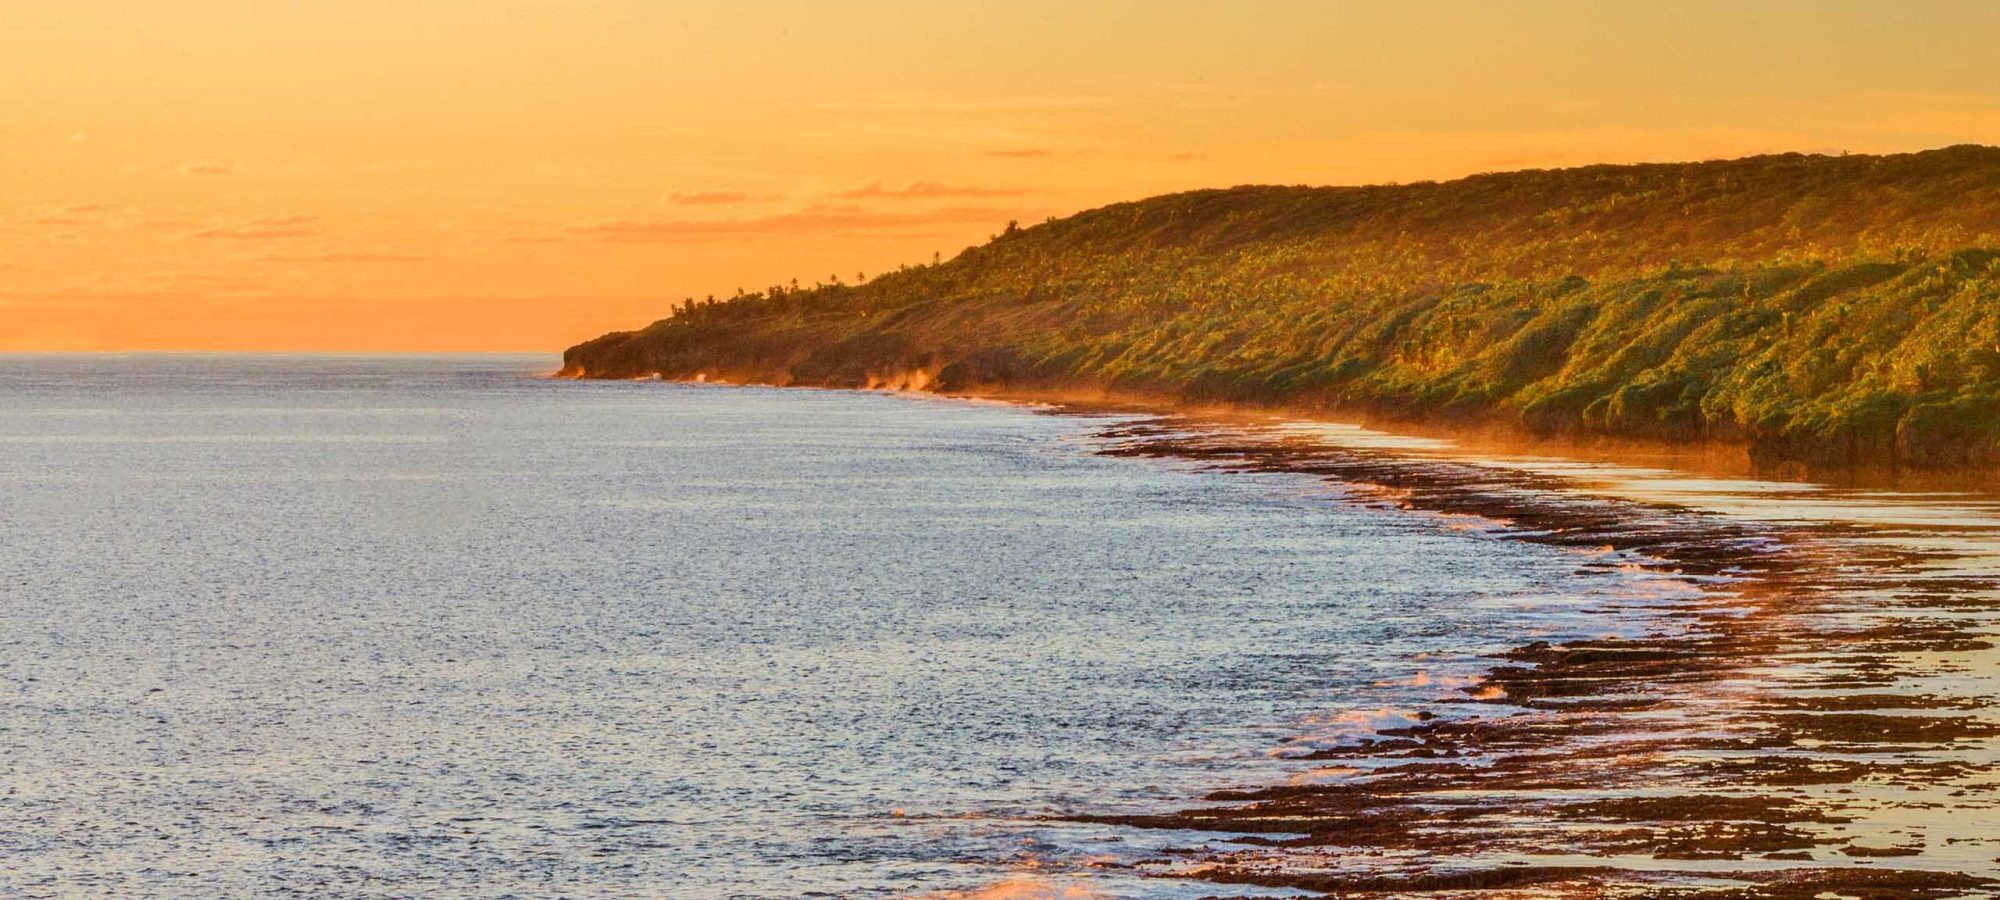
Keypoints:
pixel 1828 309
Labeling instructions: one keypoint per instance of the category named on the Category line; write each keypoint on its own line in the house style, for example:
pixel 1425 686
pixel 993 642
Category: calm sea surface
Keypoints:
pixel 440 627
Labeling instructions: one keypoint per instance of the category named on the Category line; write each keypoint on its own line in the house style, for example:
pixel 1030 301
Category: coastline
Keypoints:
pixel 1824 674
pixel 1763 743
pixel 1709 457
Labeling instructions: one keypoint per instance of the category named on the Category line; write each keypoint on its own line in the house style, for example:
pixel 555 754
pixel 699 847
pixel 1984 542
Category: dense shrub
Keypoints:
pixel 1835 308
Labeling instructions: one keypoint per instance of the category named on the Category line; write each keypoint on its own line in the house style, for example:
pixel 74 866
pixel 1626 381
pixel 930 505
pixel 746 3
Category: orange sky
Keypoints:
pixel 522 174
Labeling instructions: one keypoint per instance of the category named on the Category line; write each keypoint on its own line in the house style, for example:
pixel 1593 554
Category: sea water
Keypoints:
pixel 387 627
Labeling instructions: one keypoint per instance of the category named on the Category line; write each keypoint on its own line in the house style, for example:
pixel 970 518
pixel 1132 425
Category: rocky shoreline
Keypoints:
pixel 1818 716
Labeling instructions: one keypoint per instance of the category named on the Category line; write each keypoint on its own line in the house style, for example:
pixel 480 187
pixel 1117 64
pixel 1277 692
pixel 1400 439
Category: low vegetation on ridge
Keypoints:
pixel 1830 309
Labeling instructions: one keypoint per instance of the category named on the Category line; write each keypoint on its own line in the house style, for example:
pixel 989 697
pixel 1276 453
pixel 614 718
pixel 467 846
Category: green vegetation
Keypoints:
pixel 1826 309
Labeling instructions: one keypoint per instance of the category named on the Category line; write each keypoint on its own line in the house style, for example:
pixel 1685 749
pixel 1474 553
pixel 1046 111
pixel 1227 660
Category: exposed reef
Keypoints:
pixel 1815 717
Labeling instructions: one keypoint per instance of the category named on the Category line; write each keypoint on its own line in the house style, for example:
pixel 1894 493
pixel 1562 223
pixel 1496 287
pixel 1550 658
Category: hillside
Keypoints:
pixel 1834 310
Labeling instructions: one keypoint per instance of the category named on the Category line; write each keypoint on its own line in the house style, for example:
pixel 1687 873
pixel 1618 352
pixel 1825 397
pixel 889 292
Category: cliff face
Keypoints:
pixel 1833 310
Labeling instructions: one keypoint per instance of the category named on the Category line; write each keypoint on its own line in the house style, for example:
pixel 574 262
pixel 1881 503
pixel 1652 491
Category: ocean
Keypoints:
pixel 442 626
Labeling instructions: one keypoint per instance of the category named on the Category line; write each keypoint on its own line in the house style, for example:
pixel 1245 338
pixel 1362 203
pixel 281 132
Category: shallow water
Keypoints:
pixel 1819 716
pixel 383 627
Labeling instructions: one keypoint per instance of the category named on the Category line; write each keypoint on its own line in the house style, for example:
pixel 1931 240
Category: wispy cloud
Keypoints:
pixel 707 198
pixel 930 102
pixel 79 214
pixel 208 169
pixel 926 190
pixel 1021 153
pixel 343 257
pixel 825 221
pixel 264 228
pixel 1073 101
pixel 1932 116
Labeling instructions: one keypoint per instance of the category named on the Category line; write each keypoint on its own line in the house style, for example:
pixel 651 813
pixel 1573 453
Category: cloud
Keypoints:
pixel 922 102
pixel 79 214
pixel 265 228
pixel 344 257
pixel 927 190
pixel 707 198
pixel 183 289
pixel 1034 102
pixel 1931 117
pixel 1021 153
pixel 821 220
pixel 208 169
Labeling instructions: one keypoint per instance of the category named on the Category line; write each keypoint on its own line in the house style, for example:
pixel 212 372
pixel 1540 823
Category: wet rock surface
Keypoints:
pixel 1816 719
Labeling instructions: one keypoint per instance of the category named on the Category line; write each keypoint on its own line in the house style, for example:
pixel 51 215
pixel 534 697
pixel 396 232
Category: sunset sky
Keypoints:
pixel 523 174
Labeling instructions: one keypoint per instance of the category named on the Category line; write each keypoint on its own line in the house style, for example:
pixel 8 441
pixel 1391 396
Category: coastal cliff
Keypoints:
pixel 1833 310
